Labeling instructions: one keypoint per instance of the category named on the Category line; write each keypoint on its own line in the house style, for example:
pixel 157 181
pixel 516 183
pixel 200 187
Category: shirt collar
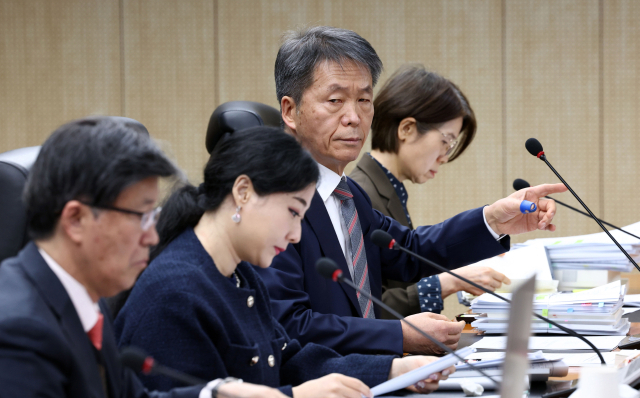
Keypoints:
pixel 327 182
pixel 85 307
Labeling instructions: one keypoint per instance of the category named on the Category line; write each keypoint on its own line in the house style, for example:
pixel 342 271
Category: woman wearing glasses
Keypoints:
pixel 201 308
pixel 421 122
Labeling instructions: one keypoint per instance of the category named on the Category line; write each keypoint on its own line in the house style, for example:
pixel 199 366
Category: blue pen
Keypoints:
pixel 527 207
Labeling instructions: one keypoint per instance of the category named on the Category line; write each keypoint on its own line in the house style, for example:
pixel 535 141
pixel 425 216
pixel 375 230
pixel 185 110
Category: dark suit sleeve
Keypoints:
pixel 402 299
pixel 33 361
pixel 458 241
pixel 346 334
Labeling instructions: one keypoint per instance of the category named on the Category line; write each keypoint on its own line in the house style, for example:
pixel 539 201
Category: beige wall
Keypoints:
pixel 566 72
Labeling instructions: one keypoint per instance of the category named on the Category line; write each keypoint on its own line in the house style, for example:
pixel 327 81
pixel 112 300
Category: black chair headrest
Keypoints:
pixel 14 169
pixel 239 115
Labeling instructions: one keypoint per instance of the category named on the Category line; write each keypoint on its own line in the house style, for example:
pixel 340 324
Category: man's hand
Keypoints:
pixel 403 365
pixel 504 216
pixel 248 390
pixel 438 326
pixel 486 277
pixel 332 386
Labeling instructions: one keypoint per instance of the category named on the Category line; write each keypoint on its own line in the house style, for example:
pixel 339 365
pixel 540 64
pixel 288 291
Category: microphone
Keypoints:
pixel 519 184
pixel 535 148
pixel 136 359
pixel 327 268
pixel 385 240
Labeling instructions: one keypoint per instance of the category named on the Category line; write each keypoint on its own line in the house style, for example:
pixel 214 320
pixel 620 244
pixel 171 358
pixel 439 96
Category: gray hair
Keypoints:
pixel 303 50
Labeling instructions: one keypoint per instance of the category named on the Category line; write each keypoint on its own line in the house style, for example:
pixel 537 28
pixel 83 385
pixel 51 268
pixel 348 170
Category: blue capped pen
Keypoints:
pixel 527 207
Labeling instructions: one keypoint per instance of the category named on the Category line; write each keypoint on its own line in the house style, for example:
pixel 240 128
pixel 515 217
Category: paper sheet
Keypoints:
pixel 421 373
pixel 552 342
pixel 521 264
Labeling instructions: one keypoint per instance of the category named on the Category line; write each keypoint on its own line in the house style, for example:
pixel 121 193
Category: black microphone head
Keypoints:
pixel 519 184
pixel 533 146
pixel 381 238
pixel 326 267
pixel 134 358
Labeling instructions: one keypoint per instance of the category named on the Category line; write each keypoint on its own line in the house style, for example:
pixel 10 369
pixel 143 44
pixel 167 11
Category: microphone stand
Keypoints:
pixel 338 276
pixel 585 214
pixel 543 157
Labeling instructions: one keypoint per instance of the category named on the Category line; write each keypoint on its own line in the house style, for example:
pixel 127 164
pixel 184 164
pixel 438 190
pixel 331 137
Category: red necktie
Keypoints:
pixel 95 334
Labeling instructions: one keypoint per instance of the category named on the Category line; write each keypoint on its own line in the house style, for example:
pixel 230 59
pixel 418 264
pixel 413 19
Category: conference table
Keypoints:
pixel 469 336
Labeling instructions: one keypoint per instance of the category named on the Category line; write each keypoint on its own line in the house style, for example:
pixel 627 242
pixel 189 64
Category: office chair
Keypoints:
pixel 239 115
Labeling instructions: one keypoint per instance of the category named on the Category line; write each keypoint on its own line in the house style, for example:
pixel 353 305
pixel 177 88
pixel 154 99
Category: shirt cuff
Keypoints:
pixel 206 391
pixel 430 294
pixel 495 235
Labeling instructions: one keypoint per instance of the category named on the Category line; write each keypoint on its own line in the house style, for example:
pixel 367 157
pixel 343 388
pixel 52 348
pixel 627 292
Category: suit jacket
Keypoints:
pixel 401 296
pixel 318 310
pixel 44 350
pixel 223 330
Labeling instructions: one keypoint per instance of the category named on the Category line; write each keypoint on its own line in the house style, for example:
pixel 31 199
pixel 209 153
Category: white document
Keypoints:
pixel 552 342
pixel 521 264
pixel 410 378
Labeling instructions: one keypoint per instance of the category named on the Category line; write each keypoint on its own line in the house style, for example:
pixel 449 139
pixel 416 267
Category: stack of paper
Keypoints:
pixel 591 252
pixel 596 311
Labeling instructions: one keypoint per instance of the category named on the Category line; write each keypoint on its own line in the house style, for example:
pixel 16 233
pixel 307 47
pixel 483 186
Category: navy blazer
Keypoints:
pixel 189 316
pixel 318 310
pixel 44 350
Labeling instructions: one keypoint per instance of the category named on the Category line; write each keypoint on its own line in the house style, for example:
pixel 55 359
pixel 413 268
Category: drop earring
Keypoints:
pixel 236 217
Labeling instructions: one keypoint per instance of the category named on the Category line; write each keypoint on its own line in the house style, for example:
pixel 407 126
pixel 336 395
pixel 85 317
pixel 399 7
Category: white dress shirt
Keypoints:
pixel 325 186
pixel 85 307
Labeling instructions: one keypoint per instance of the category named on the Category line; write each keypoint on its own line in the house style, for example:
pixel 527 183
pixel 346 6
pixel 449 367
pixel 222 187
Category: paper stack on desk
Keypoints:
pixel 595 311
pixel 591 252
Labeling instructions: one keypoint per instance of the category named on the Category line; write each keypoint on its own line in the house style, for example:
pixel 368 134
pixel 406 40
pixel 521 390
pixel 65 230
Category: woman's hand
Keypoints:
pixel 332 386
pixel 486 277
pixel 430 384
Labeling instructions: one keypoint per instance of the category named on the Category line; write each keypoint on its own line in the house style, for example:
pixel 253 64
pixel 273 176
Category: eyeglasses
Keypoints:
pixel 450 142
pixel 148 219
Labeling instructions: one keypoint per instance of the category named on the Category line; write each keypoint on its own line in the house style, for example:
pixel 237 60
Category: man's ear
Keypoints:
pixel 288 109
pixel 407 128
pixel 242 190
pixel 73 220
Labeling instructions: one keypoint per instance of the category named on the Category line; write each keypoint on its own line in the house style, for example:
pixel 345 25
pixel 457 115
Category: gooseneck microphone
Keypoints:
pixel 535 148
pixel 137 360
pixel 383 239
pixel 327 268
pixel 519 184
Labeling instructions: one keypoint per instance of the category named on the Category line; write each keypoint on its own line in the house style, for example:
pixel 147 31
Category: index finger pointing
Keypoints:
pixel 545 189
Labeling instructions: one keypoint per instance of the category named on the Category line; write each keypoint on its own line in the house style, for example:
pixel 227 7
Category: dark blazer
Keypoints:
pixel 401 296
pixel 189 316
pixel 318 310
pixel 44 351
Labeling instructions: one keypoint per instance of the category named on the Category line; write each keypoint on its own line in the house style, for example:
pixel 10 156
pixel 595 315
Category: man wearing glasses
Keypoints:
pixel 90 201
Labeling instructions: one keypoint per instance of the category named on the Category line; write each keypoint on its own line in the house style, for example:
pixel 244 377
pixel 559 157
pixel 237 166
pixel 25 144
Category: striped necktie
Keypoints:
pixel 358 253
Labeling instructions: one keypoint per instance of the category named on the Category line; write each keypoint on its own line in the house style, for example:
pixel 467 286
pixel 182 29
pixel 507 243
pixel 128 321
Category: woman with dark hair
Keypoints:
pixel 201 308
pixel 421 122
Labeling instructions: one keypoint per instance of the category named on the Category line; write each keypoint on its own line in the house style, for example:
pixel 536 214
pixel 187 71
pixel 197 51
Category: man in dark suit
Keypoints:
pixel 90 201
pixel 324 82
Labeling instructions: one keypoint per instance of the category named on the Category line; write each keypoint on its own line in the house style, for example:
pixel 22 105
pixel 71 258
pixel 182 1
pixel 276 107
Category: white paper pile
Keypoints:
pixel 595 311
pixel 591 252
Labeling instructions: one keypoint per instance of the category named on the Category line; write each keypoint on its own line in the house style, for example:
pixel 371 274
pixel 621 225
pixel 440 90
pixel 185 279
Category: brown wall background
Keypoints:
pixel 566 72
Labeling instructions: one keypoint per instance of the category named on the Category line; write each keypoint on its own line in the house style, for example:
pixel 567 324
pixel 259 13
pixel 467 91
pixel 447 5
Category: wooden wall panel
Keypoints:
pixel 552 93
pixel 621 111
pixel 459 39
pixel 58 61
pixel 169 82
